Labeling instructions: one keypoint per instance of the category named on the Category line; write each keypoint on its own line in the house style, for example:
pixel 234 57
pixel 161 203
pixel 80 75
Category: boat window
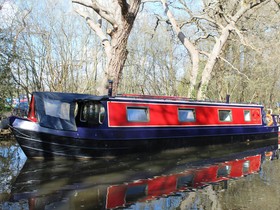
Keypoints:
pixel 223 171
pixel 92 112
pixel 185 181
pixel 137 114
pixel 246 166
pixel 56 108
pixel 186 115
pixel 225 115
pixel 133 193
pixel 247 115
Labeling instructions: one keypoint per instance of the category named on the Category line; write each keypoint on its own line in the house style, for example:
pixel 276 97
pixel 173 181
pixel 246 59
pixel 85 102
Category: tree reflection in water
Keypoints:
pixel 259 191
pixel 12 160
pixel 181 179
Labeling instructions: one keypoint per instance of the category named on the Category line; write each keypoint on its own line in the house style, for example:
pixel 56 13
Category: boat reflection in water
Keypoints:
pixel 132 181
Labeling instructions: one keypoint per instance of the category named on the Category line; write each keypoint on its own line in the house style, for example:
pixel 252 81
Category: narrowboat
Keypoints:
pixel 83 126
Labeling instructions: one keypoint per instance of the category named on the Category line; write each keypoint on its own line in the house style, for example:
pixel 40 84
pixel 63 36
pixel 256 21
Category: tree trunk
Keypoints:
pixel 220 42
pixel 189 47
pixel 117 58
pixel 193 74
pixel 206 74
pixel 121 19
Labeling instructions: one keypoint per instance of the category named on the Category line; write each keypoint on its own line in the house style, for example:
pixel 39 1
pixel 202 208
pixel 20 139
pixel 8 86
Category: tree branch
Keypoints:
pixel 203 17
pixel 243 40
pixel 98 9
pixel 124 7
pixel 236 69
pixel 98 31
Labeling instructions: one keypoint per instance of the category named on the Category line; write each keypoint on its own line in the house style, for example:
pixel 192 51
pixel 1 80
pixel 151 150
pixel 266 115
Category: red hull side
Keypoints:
pixel 166 115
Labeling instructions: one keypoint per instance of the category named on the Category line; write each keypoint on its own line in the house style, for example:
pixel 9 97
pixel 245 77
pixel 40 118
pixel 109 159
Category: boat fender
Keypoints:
pixel 269 120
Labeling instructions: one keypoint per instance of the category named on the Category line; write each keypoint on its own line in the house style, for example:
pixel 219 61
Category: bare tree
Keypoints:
pixel 222 17
pixel 52 52
pixel 58 53
pixel 119 16
pixel 250 73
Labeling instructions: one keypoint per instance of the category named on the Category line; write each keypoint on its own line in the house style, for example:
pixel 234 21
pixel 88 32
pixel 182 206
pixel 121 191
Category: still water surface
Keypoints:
pixel 208 178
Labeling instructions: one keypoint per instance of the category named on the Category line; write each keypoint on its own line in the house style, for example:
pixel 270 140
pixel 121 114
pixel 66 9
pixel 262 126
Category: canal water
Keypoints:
pixel 213 177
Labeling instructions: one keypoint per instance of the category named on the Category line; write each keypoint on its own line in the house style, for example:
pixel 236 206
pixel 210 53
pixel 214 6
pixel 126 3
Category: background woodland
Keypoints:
pixel 203 49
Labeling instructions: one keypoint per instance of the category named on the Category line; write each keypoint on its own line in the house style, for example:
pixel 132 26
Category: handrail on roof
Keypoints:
pixel 153 97
pixel 173 98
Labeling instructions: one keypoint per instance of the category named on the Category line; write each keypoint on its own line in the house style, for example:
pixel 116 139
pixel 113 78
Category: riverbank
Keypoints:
pixel 6 137
pixel 5 132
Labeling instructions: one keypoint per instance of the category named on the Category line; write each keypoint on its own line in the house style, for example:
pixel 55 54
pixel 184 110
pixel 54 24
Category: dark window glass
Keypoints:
pixel 224 171
pixel 92 113
pixel 225 115
pixel 185 181
pixel 133 193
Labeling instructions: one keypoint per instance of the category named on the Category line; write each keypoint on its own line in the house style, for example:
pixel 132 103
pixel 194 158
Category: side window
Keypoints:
pixel 246 166
pixel 225 115
pixel 247 115
pixel 186 115
pixel 185 181
pixel 92 112
pixel 137 114
pixel 223 171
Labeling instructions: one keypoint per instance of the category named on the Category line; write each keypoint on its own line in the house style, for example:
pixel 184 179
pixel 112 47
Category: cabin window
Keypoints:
pixel 247 115
pixel 92 112
pixel 186 115
pixel 133 193
pixel 225 115
pixel 246 166
pixel 223 171
pixel 137 114
pixel 185 181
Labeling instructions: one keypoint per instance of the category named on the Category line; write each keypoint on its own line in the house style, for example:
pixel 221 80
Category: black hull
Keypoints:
pixel 41 145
